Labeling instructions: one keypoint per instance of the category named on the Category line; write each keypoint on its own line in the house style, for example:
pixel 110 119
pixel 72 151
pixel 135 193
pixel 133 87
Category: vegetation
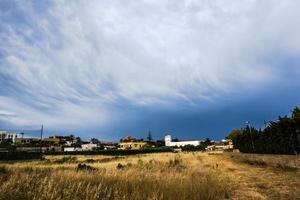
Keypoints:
pixel 200 147
pixel 170 176
pixel 153 176
pixel 19 155
pixel 280 137
pixel 282 162
pixel 112 152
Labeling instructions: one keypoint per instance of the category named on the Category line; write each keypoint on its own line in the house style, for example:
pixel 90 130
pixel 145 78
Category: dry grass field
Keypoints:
pixel 153 176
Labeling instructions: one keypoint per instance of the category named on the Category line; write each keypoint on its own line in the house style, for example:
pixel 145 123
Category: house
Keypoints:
pixel 8 136
pixel 88 147
pixel 131 143
pixel 69 149
pixel 108 145
pixel 52 140
pixel 38 149
pixel 61 140
pixel 170 143
pixel 26 140
pixel 220 146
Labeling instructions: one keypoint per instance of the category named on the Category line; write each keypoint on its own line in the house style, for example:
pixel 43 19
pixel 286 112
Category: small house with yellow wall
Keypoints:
pixel 131 143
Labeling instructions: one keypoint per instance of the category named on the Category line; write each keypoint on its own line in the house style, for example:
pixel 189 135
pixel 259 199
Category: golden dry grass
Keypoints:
pixel 151 176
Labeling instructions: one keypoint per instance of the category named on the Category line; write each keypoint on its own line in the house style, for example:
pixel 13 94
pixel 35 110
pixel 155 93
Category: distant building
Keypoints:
pixel 131 143
pixel 88 147
pixel 170 143
pixel 53 140
pixel 108 145
pixel 65 140
pixel 38 149
pixel 68 149
pixel 8 136
pixel 220 146
pixel 26 140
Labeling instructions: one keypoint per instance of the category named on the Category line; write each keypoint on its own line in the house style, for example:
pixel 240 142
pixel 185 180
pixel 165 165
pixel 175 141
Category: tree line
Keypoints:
pixel 279 137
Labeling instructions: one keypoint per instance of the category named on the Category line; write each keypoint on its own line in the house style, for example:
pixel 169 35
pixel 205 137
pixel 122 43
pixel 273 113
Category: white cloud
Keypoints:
pixel 79 57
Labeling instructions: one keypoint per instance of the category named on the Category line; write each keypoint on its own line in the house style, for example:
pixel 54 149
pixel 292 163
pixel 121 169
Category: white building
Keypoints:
pixel 68 149
pixel 6 135
pixel 169 143
pixel 88 147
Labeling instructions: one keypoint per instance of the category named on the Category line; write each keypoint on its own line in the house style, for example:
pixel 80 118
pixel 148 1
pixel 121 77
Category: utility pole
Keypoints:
pixel 41 143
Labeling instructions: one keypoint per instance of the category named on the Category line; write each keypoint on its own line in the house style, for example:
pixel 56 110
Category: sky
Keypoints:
pixel 107 69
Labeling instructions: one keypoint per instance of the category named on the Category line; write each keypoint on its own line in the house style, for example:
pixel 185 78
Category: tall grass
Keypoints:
pixel 283 162
pixel 165 177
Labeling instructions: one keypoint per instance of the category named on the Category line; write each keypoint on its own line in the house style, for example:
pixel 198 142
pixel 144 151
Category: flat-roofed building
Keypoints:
pixel 170 143
pixel 88 147
pixel 8 135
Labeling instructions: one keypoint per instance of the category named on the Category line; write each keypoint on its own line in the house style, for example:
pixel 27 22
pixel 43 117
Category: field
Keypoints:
pixel 153 176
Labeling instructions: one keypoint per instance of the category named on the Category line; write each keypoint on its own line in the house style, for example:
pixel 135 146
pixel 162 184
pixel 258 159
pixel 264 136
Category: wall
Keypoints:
pixel 169 143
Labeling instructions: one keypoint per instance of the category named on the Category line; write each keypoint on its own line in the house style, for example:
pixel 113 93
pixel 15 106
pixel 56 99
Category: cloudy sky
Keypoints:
pixel 106 69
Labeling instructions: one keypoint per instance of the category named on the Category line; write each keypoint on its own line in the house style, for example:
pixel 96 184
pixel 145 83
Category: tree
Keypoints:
pixel 296 113
pixel 189 147
pixel 207 142
pixel 160 143
pixel 78 142
pixel 149 138
pixel 279 137
pixel 233 134
pixel 95 141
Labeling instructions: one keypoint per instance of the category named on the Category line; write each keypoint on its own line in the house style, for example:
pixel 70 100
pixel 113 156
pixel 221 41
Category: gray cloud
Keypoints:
pixel 77 59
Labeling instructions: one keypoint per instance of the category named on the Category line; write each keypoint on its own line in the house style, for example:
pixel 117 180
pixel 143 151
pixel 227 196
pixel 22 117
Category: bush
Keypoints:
pixel 3 170
pixel 255 162
pixel 66 159
pixel 90 160
pixel 120 166
pixel 189 147
pixel 176 164
pixel 84 167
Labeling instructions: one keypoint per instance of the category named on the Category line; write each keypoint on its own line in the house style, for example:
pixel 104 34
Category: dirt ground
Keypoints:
pixel 258 182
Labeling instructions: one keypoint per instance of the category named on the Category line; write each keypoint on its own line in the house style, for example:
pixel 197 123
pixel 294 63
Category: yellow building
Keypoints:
pixel 132 145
